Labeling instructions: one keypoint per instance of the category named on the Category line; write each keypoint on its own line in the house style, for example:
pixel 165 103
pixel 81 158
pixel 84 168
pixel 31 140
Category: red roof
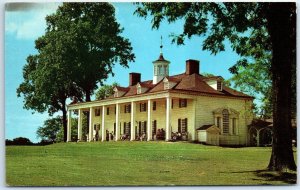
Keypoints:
pixel 161 58
pixel 122 88
pixel 194 84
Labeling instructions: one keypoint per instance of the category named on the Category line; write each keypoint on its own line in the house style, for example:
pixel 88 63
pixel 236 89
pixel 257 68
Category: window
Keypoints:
pixel 143 107
pixel 126 129
pixel 218 122
pixel 139 90
pixel 115 109
pixel 97 112
pixel 107 111
pixel 225 114
pixel 166 85
pixel 116 94
pixel 127 108
pixel 114 128
pixel 172 103
pixel 219 85
pixel 154 127
pixel 142 127
pixel 234 127
pixel 166 70
pixel 182 103
pixel 182 125
pixel 159 69
pixel 154 106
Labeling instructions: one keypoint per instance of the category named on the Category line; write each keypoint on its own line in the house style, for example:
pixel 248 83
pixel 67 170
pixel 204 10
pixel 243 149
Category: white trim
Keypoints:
pixel 132 120
pixel 168 118
pixel 91 129
pixel 117 122
pixel 103 124
pixel 79 125
pixel 149 134
pixel 69 126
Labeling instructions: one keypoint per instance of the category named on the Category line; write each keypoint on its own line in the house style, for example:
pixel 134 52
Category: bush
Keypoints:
pixel 19 141
pixel 8 142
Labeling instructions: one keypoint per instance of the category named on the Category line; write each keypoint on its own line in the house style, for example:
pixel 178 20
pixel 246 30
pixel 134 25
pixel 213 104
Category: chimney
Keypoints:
pixel 134 78
pixel 192 66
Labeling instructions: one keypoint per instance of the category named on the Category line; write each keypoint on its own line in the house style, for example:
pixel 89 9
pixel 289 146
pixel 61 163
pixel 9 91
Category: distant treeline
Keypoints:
pixel 25 141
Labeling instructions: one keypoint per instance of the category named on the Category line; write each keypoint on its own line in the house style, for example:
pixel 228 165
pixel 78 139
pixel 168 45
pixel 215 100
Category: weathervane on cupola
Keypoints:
pixel 160 66
pixel 161 46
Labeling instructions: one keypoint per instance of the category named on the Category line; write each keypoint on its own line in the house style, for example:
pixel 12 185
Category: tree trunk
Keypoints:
pixel 87 96
pixel 281 26
pixel 65 123
pixel 88 99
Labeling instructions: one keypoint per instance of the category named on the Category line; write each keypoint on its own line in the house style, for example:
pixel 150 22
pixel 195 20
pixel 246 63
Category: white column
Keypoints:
pixel 91 129
pixel 103 124
pixel 132 121
pixel 168 119
pixel 149 126
pixel 79 125
pixel 69 126
pixel 117 122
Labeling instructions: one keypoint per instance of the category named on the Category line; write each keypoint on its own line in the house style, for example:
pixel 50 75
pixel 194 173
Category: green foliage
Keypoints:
pixel 50 129
pixel 244 25
pixel 74 131
pixel 255 79
pixel 264 35
pixel 105 91
pixel 225 82
pixel 89 42
pixel 241 24
pixel 21 141
pixel 81 44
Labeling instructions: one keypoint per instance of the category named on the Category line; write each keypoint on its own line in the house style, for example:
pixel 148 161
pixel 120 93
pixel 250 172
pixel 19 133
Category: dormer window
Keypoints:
pixel 139 90
pixel 119 91
pixel 219 85
pixel 116 94
pixel 166 85
pixel 216 82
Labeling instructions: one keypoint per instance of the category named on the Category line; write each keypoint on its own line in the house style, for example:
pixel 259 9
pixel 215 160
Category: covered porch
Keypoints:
pixel 154 118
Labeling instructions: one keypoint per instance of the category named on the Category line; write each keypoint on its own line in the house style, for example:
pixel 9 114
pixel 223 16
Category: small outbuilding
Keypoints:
pixel 209 134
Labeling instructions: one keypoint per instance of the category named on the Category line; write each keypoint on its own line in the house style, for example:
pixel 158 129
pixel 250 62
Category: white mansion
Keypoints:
pixel 187 106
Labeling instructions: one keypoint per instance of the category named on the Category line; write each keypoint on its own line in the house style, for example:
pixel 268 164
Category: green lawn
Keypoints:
pixel 138 163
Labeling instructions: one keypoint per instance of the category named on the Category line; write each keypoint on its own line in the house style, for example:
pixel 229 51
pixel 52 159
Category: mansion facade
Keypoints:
pixel 168 107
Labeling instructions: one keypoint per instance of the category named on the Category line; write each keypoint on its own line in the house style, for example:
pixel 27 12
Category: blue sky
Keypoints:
pixel 22 27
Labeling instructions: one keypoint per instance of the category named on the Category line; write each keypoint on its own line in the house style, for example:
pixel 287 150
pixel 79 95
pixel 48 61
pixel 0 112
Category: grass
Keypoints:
pixel 139 163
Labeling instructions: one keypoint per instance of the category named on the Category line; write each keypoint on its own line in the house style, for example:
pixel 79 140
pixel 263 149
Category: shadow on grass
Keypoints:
pixel 267 175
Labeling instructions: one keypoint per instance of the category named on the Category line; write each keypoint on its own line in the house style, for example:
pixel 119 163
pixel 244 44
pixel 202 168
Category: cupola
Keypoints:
pixel 160 67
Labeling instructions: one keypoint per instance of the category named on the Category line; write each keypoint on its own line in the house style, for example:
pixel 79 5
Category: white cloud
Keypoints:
pixel 29 23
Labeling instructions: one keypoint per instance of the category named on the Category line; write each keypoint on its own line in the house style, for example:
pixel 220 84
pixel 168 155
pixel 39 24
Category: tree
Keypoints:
pixel 81 44
pixel 256 80
pixel 21 141
pixel 50 129
pixel 105 91
pixel 74 131
pixel 255 31
pixel 92 42
pixel 46 85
